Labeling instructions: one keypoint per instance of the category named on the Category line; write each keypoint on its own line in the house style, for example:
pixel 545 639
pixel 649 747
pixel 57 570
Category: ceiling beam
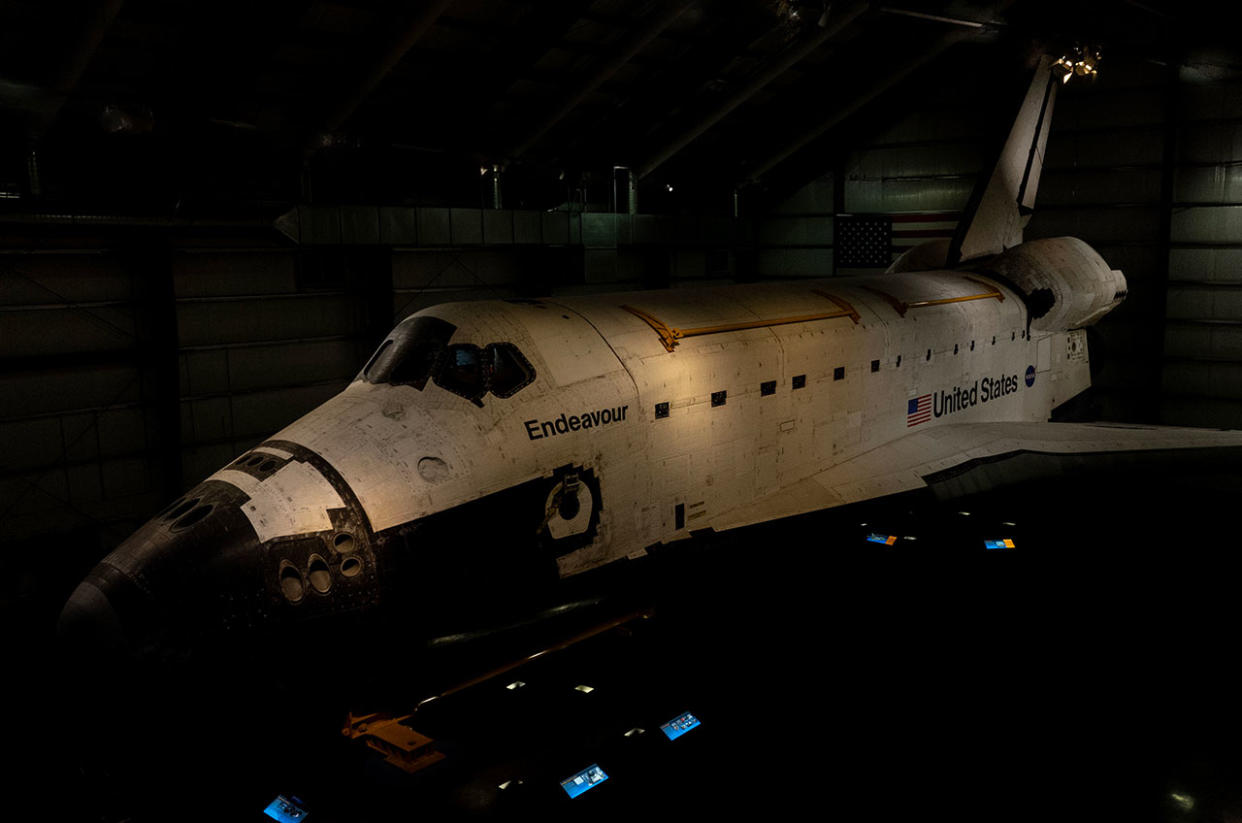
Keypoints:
pixel 638 39
pixel 791 57
pixel 65 79
pixel 407 32
pixel 839 113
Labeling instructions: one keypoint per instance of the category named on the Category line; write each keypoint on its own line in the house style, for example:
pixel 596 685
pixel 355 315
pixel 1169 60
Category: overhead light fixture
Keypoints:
pixel 1081 62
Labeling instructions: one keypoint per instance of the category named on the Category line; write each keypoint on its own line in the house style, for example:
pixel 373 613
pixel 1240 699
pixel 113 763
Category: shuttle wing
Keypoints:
pixel 906 464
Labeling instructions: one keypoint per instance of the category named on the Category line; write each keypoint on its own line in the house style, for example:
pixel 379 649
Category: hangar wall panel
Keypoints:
pixel 1202 370
pixel 264 337
pixel 77 453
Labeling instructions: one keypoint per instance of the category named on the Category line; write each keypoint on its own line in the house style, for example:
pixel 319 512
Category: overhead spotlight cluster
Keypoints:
pixel 796 12
pixel 1081 62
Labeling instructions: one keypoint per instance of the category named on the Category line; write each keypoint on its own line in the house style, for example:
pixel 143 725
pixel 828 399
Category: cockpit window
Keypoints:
pixel 461 371
pixel 408 357
pixel 508 372
pixel 418 350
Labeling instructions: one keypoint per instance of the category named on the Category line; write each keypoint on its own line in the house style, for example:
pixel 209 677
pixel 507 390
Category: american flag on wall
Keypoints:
pixel 919 410
pixel 875 240
pixel 864 241
pixel 912 228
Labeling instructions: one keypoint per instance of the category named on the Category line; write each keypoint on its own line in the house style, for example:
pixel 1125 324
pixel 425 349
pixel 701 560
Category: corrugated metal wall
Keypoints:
pixel 257 349
pixel 1203 340
pixel 78 442
pixel 94 413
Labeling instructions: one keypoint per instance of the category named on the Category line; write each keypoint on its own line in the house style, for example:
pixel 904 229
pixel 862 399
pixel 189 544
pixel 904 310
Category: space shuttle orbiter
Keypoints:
pixel 566 433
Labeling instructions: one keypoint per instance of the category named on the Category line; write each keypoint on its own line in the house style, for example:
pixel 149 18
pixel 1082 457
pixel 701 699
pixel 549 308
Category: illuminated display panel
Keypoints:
pixel 588 778
pixel 999 544
pixel 679 725
pixel 284 810
pixel 882 539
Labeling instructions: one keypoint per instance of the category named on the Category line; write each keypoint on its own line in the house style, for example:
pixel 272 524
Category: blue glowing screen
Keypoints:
pixel 284 810
pixel 882 539
pixel 998 544
pixel 588 778
pixel 679 725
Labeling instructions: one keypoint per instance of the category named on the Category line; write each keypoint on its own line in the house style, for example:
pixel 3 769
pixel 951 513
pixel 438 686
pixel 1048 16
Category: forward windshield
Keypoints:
pixel 408 356
pixel 418 350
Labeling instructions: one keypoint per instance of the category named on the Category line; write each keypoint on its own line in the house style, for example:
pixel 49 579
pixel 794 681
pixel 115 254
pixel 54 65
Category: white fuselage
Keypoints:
pixel 915 351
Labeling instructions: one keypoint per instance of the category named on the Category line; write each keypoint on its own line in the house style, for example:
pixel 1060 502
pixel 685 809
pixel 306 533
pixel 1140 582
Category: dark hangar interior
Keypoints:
pixel 212 212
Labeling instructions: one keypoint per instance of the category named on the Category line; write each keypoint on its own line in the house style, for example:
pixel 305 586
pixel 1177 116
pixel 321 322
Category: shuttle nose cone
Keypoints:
pixel 89 623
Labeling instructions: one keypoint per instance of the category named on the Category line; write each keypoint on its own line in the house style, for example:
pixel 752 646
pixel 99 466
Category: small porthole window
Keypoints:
pixel 171 506
pixel 799 381
pixel 767 388
pixel 192 518
pixel 899 361
pixel 182 509
pixel 972 345
pixel 838 373
pixel 875 365
pixel 718 398
pixel 929 355
pixel 993 340
pixel 661 411
pixel 955 348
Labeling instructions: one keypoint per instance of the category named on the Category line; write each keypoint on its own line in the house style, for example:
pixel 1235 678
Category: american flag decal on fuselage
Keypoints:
pixel 919 410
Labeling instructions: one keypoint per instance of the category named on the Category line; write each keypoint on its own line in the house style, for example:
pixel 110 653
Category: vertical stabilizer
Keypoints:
pixel 1000 208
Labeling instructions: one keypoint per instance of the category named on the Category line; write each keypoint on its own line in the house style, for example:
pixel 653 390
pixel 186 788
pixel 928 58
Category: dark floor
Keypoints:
pixel 1085 674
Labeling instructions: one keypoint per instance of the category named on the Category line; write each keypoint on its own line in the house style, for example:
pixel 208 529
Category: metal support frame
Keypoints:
pixel 65 80
pixel 411 751
pixel 159 356
pixel 794 55
pixel 1168 178
pixel 650 29
pixel 840 113
pixel 407 35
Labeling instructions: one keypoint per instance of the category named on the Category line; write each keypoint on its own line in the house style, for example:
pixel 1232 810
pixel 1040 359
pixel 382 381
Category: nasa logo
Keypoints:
pixel 1030 376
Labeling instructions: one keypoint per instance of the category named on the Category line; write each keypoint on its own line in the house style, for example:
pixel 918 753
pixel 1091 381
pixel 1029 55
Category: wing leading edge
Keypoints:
pixel 905 464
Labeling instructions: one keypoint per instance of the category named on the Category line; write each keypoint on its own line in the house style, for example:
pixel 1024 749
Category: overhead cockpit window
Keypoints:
pixel 508 372
pixel 409 355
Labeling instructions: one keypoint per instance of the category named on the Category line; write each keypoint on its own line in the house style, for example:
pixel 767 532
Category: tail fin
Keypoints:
pixel 1000 208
